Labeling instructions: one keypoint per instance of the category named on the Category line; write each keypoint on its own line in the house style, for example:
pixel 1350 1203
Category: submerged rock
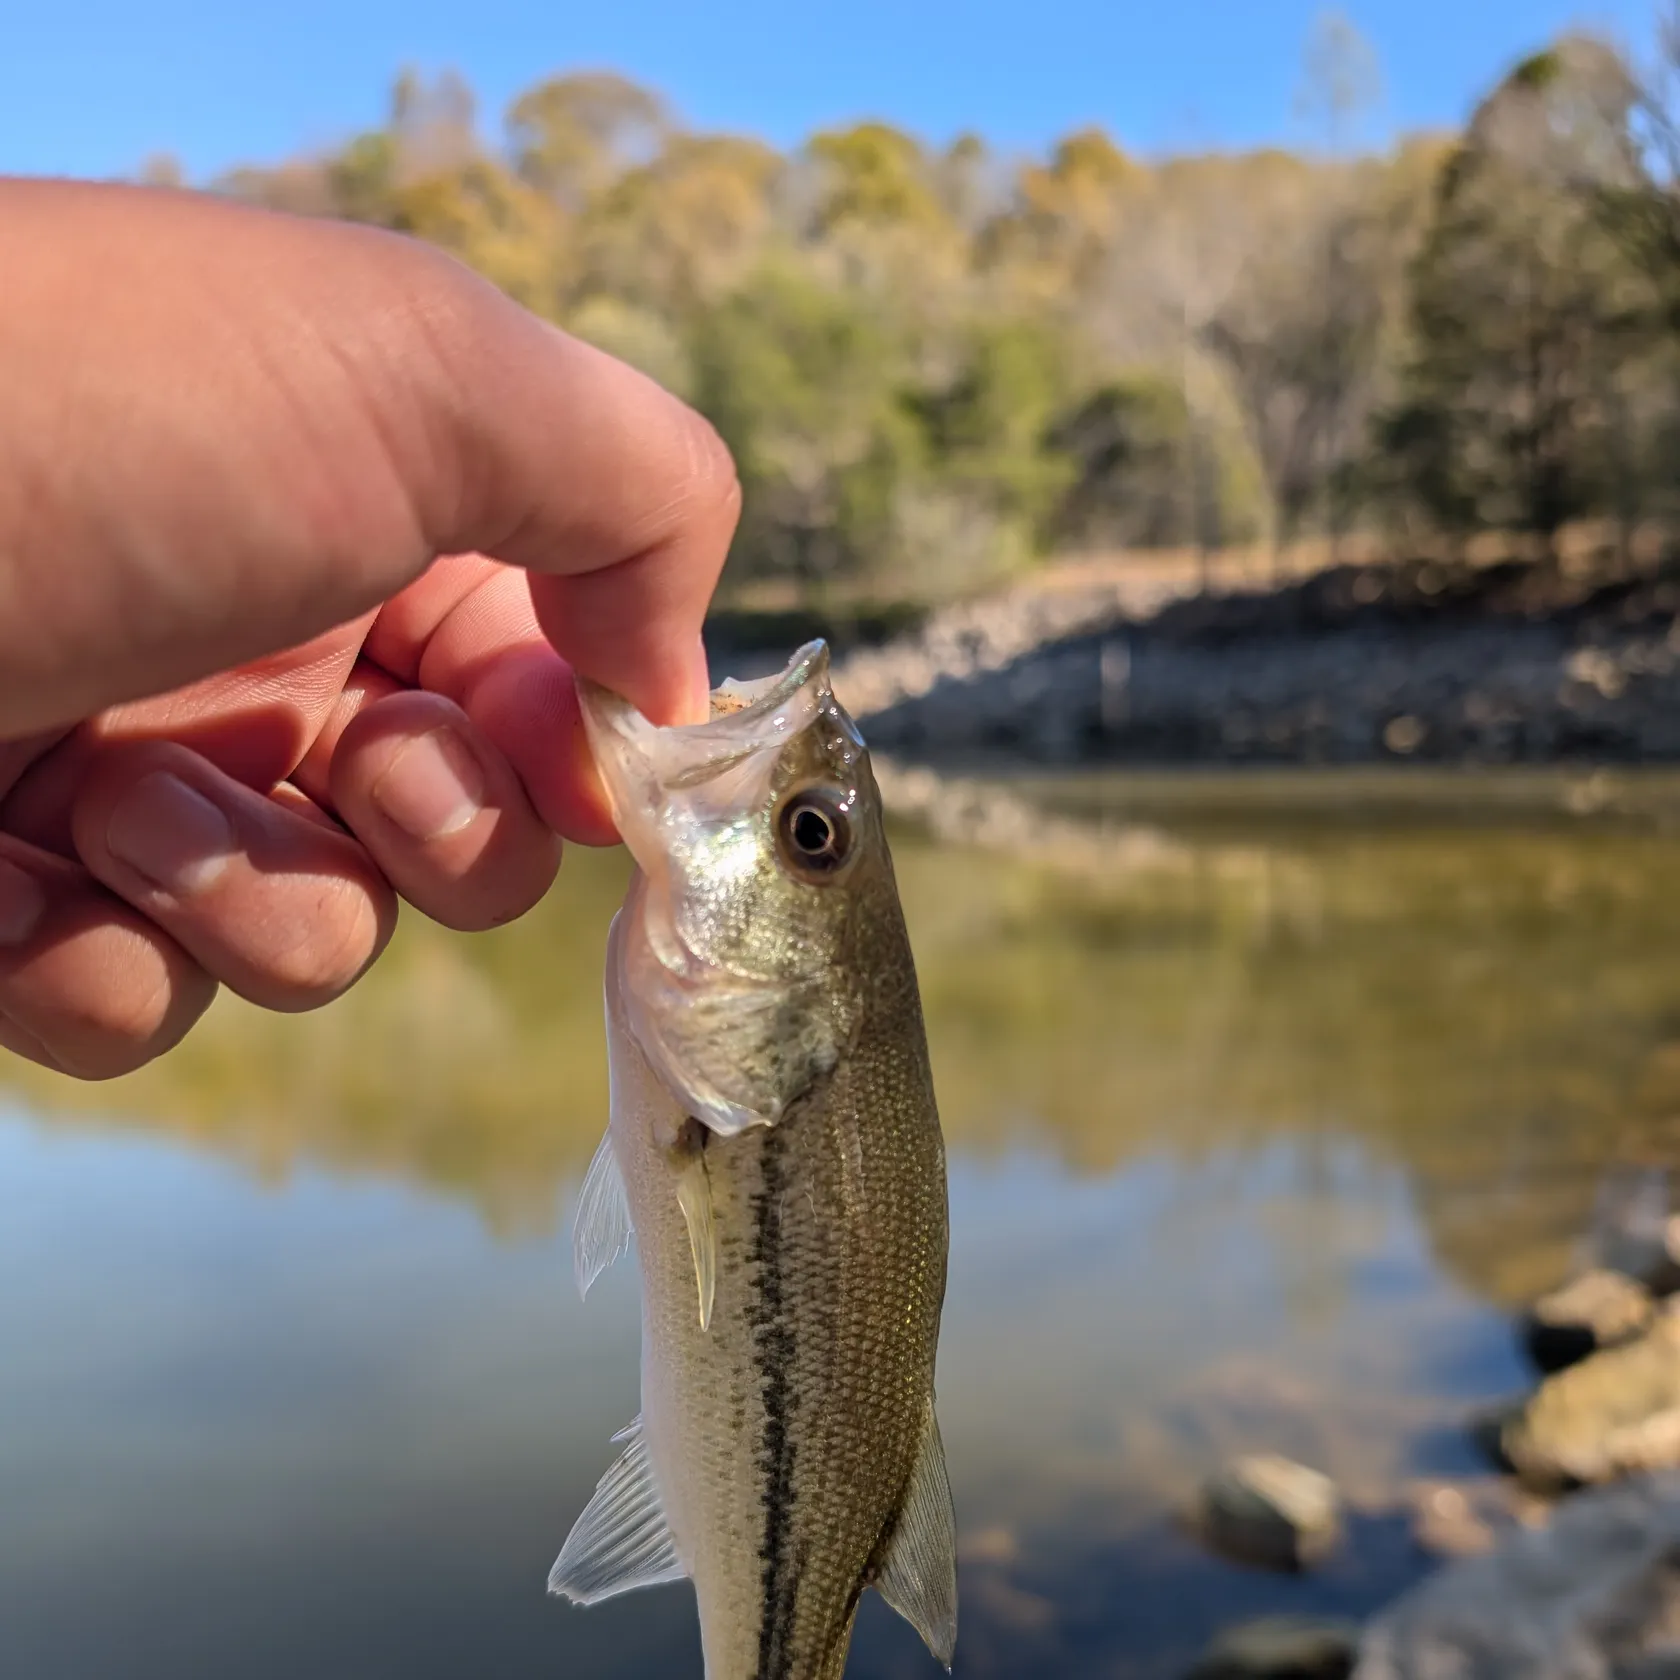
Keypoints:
pixel 1448 1523
pixel 1272 1512
pixel 1600 1309
pixel 1468 1519
pixel 1596 1596
pixel 1281 1648
pixel 1615 1413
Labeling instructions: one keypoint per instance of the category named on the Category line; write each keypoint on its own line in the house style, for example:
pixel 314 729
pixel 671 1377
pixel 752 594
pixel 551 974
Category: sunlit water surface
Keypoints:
pixel 1263 1111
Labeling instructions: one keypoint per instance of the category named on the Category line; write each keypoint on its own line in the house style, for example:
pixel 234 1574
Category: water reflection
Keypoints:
pixel 1252 1133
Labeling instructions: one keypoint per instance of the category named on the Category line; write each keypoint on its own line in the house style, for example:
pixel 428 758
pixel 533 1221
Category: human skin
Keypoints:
pixel 303 531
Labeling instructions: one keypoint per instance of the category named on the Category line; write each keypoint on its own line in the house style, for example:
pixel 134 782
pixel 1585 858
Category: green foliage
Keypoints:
pixel 1136 480
pixel 571 136
pixel 933 368
pixel 800 378
pixel 987 426
pixel 1531 328
pixel 874 175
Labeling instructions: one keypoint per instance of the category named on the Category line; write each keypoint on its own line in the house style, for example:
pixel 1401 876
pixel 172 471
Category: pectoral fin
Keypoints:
pixel 601 1231
pixel 916 1572
pixel 623 1539
pixel 694 1197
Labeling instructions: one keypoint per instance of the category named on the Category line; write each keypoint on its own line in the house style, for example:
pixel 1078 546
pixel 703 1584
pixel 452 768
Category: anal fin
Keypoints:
pixel 623 1540
pixel 601 1230
pixel 916 1572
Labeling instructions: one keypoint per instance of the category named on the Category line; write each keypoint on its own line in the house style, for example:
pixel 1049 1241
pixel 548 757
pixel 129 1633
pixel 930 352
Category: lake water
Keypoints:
pixel 1267 1099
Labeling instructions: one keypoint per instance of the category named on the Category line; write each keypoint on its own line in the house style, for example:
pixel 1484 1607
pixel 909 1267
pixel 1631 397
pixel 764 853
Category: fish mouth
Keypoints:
pixel 641 763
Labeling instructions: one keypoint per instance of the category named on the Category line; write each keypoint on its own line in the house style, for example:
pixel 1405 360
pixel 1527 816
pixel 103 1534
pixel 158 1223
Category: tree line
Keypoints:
pixel 935 365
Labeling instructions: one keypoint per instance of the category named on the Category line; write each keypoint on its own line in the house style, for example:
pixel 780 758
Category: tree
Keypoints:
pixel 1216 219
pixel 1300 331
pixel 1306 337
pixel 572 136
pixel 801 380
pixel 934 363
pixel 679 230
pixel 870 202
pixel 1640 199
pixel 1057 237
pixel 1342 81
pixel 1526 316
pixel 1340 78
pixel 1125 445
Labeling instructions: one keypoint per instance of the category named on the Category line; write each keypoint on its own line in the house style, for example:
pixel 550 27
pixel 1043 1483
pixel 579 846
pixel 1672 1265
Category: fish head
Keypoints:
pixel 762 867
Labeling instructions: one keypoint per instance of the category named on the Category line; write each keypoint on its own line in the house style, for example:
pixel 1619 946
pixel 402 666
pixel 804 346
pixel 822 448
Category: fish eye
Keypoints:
pixel 815 833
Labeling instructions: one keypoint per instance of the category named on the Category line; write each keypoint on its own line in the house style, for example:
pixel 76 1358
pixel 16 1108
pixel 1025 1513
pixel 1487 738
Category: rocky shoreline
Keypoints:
pixel 1569 1569
pixel 1505 664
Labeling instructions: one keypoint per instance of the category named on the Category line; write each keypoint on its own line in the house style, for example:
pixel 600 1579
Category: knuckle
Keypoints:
pixel 715 479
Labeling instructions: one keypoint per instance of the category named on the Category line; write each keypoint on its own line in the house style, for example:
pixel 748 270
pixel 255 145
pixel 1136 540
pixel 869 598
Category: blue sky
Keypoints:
pixel 92 88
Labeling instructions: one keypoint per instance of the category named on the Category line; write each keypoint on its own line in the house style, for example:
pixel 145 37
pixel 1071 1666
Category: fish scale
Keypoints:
pixel 787 1455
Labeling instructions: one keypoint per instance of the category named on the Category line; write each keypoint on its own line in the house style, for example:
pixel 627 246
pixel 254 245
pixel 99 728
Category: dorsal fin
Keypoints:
pixel 916 1572
pixel 623 1540
pixel 601 1230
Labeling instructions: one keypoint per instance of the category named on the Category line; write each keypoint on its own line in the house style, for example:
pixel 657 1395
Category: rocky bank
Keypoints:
pixel 1509 663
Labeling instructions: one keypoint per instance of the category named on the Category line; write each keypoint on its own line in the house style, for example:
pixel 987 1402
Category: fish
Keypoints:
pixel 774 1149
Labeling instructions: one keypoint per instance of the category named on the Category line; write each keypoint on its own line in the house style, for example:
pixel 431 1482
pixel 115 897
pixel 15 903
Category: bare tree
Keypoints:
pixel 1342 81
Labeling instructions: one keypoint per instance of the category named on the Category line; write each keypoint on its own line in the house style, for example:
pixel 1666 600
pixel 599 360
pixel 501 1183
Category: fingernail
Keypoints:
pixel 170 833
pixel 21 904
pixel 433 787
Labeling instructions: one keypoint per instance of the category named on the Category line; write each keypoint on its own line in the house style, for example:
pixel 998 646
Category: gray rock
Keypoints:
pixel 1271 1512
pixel 1448 1522
pixel 1248 676
pixel 1281 1648
pixel 1613 1414
pixel 1600 1309
pixel 1596 1596
pixel 1470 1518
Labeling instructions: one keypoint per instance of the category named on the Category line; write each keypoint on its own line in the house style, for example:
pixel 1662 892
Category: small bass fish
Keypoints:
pixel 774 1145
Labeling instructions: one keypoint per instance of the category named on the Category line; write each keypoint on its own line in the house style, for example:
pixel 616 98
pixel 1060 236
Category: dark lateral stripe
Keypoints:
pixel 773 1351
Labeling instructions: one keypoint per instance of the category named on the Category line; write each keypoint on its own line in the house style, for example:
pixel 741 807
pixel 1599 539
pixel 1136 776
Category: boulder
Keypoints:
pixel 1600 1309
pixel 1281 1648
pixel 1594 1596
pixel 1613 1414
pixel 1272 1512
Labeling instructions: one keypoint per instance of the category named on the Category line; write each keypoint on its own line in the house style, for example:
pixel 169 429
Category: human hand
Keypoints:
pixel 303 529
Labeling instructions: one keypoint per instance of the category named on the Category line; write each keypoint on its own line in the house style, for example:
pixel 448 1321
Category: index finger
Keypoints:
pixel 230 430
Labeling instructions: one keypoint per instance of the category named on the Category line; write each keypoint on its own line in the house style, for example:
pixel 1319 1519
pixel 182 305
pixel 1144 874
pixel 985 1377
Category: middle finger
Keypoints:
pixel 268 895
